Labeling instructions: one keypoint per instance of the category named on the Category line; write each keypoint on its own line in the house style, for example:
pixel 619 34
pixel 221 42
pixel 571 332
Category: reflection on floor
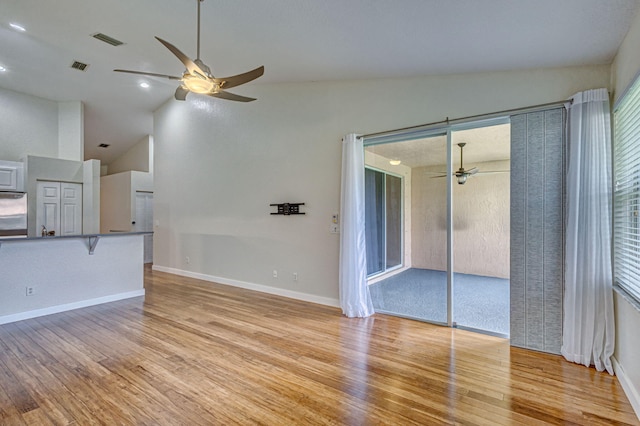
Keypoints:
pixel 479 302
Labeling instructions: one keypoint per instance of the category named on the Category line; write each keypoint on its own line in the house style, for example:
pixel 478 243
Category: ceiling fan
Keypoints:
pixel 462 174
pixel 197 77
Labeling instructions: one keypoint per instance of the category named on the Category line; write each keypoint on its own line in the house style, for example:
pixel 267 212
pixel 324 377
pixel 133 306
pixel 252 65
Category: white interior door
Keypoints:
pixel 144 221
pixel 70 208
pixel 59 207
pixel 48 207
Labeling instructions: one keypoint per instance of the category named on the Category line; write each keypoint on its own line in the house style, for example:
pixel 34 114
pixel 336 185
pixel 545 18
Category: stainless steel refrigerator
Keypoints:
pixel 13 214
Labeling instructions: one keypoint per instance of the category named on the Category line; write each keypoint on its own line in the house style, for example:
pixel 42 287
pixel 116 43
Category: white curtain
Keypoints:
pixel 354 293
pixel 588 328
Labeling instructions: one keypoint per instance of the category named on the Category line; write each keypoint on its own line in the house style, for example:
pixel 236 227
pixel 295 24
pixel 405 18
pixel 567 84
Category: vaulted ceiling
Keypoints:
pixel 296 41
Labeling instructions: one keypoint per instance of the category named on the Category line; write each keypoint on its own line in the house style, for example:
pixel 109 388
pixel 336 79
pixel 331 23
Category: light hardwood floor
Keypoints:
pixel 196 353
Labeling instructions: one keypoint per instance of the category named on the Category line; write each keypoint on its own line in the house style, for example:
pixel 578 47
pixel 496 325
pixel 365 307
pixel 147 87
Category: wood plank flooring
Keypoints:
pixel 197 353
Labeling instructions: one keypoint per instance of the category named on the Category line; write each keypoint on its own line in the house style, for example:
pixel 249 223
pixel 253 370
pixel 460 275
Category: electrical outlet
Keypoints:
pixel 30 291
pixel 275 273
pixel 334 229
pixel 188 260
pixel 295 276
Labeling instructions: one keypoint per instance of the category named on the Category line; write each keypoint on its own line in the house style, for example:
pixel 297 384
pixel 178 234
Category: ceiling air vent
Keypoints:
pixel 104 145
pixel 109 40
pixel 77 65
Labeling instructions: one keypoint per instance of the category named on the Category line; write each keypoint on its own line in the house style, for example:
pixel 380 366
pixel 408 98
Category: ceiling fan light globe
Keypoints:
pixel 199 85
pixel 462 179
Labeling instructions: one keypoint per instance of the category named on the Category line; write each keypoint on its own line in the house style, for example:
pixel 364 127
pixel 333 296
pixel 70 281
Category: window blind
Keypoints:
pixel 626 197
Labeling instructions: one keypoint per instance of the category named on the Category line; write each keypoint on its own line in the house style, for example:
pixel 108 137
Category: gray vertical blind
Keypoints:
pixel 537 229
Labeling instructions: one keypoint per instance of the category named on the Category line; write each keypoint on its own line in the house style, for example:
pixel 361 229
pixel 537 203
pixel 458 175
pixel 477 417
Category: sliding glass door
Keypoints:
pixel 481 228
pixel 453 267
pixel 383 219
pixel 406 223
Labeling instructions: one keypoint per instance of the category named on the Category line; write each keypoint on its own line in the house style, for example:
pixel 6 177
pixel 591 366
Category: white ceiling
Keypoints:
pixel 296 40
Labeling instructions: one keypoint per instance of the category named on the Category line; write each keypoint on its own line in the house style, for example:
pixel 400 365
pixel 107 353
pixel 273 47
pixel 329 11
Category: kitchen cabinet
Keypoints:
pixel 11 176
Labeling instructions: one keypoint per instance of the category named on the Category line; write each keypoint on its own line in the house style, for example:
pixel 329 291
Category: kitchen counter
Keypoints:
pixel 45 275
pixel 91 238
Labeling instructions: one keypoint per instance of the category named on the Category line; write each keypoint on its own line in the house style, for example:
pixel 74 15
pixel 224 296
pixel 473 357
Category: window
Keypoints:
pixel 383 221
pixel 626 196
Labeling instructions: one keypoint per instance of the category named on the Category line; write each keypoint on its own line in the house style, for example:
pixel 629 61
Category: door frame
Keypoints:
pixel 445 129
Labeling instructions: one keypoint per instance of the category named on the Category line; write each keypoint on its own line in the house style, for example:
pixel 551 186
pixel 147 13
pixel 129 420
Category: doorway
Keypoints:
pixel 143 221
pixel 383 210
pixel 456 253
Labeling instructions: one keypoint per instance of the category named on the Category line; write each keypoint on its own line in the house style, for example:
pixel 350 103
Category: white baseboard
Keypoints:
pixel 251 286
pixel 630 390
pixel 69 306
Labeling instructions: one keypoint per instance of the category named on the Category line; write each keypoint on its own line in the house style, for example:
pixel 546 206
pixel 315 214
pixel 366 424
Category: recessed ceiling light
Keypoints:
pixel 17 27
pixel 144 85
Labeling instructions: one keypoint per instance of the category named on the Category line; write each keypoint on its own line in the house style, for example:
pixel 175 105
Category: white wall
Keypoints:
pixel 91 197
pixel 625 67
pixel 220 164
pixel 626 64
pixel 71 130
pixel 40 127
pixel 481 215
pixel 113 272
pixel 138 158
pixel 29 126
pixel 117 199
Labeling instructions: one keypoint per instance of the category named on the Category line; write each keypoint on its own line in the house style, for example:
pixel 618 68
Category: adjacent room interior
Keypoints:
pixel 178 253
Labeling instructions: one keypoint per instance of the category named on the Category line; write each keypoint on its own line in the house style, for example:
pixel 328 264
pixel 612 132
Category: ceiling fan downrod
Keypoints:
pixel 461 145
pixel 198 38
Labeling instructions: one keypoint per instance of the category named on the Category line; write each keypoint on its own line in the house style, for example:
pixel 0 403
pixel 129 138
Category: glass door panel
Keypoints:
pixel 481 231
pixel 414 281
pixel 374 221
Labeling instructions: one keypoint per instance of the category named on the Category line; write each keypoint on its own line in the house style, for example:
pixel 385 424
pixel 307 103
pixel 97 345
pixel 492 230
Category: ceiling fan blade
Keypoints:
pixel 438 176
pixel 237 80
pixel 191 66
pixel 181 93
pixel 231 97
pixel 471 171
pixel 151 74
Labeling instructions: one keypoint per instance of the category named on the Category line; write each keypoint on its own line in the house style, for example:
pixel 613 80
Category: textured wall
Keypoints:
pixel 28 126
pixel 480 222
pixel 139 158
pixel 537 230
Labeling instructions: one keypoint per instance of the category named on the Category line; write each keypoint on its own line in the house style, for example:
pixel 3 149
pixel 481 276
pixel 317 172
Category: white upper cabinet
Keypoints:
pixel 11 176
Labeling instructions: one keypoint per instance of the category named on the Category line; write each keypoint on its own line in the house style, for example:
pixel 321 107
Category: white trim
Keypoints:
pixel 251 286
pixel 69 306
pixel 630 390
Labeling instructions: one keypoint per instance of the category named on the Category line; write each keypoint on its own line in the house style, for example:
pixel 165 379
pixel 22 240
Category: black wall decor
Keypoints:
pixel 288 208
